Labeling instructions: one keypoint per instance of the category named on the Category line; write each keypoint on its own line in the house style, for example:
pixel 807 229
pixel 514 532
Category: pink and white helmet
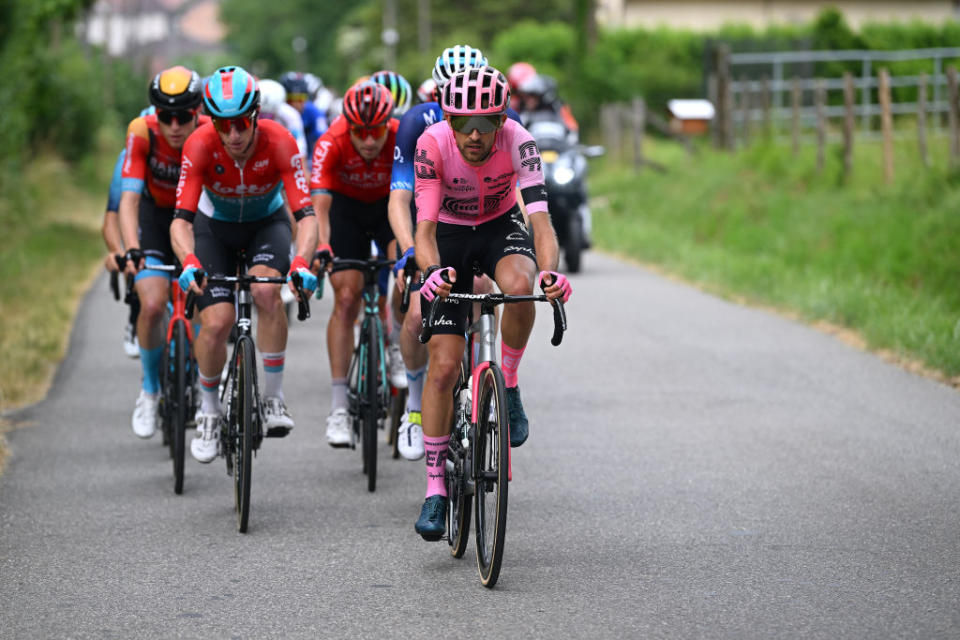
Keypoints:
pixel 476 91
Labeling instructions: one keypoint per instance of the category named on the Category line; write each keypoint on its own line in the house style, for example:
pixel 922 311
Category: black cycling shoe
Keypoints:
pixel 433 517
pixel 519 427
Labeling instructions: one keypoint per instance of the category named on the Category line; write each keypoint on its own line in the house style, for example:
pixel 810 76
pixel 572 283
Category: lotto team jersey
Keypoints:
pixel 152 166
pixel 337 167
pixel 451 191
pixel 412 125
pixel 242 193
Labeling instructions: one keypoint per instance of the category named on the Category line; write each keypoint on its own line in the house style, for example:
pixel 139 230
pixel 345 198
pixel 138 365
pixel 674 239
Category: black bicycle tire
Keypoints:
pixel 179 405
pixel 163 414
pixel 398 408
pixel 243 431
pixel 491 389
pixel 371 408
pixel 459 506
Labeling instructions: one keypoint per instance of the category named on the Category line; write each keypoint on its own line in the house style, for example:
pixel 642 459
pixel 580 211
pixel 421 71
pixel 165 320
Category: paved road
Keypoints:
pixel 695 470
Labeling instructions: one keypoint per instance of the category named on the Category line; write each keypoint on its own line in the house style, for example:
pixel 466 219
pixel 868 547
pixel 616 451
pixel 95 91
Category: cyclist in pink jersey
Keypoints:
pixel 467 168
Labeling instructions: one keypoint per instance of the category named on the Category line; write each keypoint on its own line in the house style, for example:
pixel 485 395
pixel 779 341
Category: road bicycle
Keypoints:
pixel 178 373
pixel 478 456
pixel 369 389
pixel 241 430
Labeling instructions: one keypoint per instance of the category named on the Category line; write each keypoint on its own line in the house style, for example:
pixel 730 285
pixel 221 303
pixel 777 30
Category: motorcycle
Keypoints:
pixel 565 173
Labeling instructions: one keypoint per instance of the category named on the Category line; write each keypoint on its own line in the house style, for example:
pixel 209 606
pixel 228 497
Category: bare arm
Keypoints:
pixel 130 223
pixel 111 237
pixel 398 210
pixel 545 241
pixel 321 208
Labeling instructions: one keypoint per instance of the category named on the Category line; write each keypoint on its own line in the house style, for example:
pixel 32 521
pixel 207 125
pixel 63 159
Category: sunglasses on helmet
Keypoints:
pixel 483 124
pixel 362 132
pixel 224 125
pixel 182 116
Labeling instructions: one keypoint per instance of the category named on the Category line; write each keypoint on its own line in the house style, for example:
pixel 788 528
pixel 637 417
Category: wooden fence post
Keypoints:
pixel 610 116
pixel 821 100
pixel 922 119
pixel 724 104
pixel 954 116
pixel 795 115
pixel 746 96
pixel 886 120
pixel 765 104
pixel 849 95
pixel 639 120
pixel 713 96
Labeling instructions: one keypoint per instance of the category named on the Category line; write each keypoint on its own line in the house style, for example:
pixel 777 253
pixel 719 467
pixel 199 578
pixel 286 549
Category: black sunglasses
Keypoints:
pixel 184 116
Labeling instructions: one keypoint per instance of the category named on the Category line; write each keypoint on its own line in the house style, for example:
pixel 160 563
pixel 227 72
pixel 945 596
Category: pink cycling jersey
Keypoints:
pixel 449 190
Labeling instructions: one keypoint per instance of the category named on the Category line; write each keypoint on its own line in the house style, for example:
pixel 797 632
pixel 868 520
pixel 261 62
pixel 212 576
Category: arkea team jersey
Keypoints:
pixel 152 166
pixel 337 167
pixel 242 193
pixel 451 191
pixel 412 125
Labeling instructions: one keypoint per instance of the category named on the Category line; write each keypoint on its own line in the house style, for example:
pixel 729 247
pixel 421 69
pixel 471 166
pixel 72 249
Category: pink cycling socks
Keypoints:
pixel 509 363
pixel 436 455
pixel 273 374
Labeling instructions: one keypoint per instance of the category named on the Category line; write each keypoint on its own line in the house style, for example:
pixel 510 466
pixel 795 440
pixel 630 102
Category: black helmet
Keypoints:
pixel 176 89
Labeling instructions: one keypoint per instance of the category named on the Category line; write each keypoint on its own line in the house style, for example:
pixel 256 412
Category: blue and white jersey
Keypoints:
pixel 412 125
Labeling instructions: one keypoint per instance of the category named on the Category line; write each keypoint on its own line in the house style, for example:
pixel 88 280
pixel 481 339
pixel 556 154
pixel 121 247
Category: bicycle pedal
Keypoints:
pixel 278 432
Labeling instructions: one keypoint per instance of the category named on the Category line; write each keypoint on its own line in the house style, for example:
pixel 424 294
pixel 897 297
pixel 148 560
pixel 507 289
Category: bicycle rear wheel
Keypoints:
pixel 371 409
pixel 491 448
pixel 242 430
pixel 180 401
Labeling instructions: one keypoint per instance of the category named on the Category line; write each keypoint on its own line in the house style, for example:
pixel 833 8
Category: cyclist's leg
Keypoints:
pixel 445 353
pixel 512 262
pixel 268 254
pixel 152 289
pixel 215 243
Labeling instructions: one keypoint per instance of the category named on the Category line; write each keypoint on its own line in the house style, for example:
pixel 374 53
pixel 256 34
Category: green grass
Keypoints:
pixel 52 244
pixel 765 226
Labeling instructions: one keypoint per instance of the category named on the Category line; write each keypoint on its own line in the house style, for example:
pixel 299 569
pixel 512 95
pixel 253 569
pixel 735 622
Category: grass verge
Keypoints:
pixel 52 244
pixel 765 227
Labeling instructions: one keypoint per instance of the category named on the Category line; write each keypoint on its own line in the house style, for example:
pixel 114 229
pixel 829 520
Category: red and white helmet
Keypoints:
pixel 518 73
pixel 476 91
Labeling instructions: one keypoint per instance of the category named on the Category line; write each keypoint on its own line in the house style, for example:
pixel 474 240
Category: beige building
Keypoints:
pixel 704 15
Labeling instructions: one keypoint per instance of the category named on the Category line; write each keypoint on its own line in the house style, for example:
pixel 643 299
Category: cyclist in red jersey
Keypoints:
pixel 149 183
pixel 236 172
pixel 349 186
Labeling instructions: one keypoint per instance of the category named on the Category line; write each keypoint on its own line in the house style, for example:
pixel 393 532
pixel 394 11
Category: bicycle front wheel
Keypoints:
pixel 491 449
pixel 179 405
pixel 371 409
pixel 242 430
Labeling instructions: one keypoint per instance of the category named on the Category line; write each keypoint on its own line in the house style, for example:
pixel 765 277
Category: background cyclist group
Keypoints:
pixel 285 177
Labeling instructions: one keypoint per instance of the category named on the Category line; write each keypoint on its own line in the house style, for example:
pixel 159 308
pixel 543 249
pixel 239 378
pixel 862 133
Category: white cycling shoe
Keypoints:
pixel 338 429
pixel 145 414
pixel 276 417
pixel 410 436
pixel 131 346
pixel 395 367
pixel 204 446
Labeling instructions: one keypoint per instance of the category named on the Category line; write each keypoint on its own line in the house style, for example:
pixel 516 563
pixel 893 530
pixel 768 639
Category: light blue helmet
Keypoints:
pixel 454 59
pixel 230 92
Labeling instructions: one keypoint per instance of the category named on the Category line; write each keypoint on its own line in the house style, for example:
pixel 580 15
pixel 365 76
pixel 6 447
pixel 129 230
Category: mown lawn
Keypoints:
pixel 763 225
